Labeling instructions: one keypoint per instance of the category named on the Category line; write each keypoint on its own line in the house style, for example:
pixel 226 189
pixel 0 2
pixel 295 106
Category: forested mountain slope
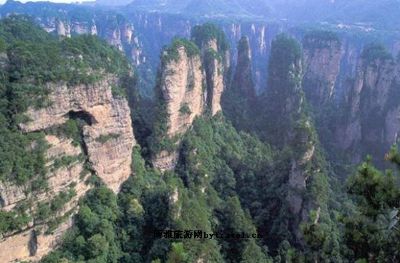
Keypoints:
pixel 65 122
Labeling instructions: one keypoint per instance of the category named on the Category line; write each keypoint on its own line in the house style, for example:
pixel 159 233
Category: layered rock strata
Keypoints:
pixel 106 147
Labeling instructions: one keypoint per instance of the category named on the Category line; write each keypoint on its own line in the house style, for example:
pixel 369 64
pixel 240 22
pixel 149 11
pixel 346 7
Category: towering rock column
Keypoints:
pixel 239 99
pixel 284 99
pixel 191 82
pixel 181 99
pixel 322 56
pixel 243 79
pixel 288 125
pixel 215 58
pixel 214 69
pixel 373 122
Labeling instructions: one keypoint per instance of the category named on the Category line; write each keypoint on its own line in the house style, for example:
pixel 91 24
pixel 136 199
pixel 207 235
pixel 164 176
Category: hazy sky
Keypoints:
pixel 56 1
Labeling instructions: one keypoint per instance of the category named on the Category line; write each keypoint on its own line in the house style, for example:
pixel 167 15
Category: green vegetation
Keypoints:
pixel 48 211
pixel 125 227
pixel 35 55
pixel 32 58
pixel 283 102
pixel 372 231
pixel 66 161
pixel 202 34
pixel 374 52
pixel 239 99
pixel 225 181
pixel 93 236
pixel 105 138
pixel 158 140
pixel 185 110
pixel 118 92
pixel 70 129
pixel 13 220
pixel 319 39
pixel 211 54
pixel 170 53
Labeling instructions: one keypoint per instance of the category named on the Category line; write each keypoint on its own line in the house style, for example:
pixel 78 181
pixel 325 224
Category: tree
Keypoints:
pixel 372 232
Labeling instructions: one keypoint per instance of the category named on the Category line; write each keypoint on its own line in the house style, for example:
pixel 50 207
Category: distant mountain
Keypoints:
pixel 113 2
pixel 214 7
pixel 40 9
pixel 383 14
pixel 171 6
pixel 256 7
pixel 207 8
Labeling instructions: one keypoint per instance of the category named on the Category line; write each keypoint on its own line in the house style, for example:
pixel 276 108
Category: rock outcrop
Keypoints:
pixel 191 83
pixel 105 150
pixel 322 57
pixel 182 93
pixel 214 69
pixel 38 238
pixel 108 137
pixel 289 125
pixel 239 100
pixel 372 123
pixel 182 89
pixel 62 29
pixel 243 79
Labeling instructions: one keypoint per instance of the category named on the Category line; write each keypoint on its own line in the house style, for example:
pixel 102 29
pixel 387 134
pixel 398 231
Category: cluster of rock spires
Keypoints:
pixel 120 34
pixel 191 84
pixel 368 115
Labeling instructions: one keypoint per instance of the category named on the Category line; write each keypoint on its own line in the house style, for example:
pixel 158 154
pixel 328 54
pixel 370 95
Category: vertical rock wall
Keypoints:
pixel 107 144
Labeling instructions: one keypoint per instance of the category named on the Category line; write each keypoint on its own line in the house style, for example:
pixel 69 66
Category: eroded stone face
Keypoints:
pixel 183 91
pixel 322 66
pixel 108 142
pixel 374 117
pixel 32 244
pixel 189 85
pixel 108 137
pixel 214 70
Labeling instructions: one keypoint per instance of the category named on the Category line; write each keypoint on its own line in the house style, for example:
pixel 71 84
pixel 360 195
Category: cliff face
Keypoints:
pixel 39 237
pixel 322 56
pixel 239 100
pixel 287 124
pixel 373 124
pixel 120 34
pixel 105 150
pixel 151 31
pixel 182 89
pixel 191 83
pixel 243 79
pixel 181 85
pixel 214 69
pixel 107 117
